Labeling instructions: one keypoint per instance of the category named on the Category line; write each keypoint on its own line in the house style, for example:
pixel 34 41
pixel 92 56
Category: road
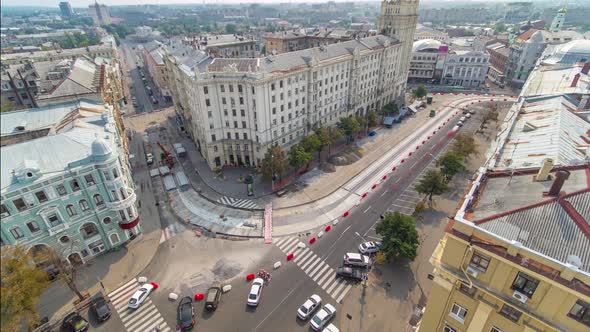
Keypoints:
pixel 311 271
pixel 137 88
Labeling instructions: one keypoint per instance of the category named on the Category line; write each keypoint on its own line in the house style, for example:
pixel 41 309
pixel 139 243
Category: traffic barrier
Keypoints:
pixel 142 280
pixel 312 240
pixel 374 186
pixel 328 228
pixel 393 168
pixel 277 265
pixel 199 296
pixel 172 296
pixel 290 256
pixel 250 277
pixel 155 285
pixel 409 154
pixel 364 195
pixel 345 214
pixel 428 137
pixel 384 177
pixel 418 147
pixel 423 142
pixel 402 161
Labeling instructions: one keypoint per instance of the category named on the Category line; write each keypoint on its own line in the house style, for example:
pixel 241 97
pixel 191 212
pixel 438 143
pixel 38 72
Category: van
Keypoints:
pixel 355 259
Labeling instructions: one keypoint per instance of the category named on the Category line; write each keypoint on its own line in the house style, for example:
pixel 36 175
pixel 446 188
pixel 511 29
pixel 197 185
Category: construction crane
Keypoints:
pixel 167 157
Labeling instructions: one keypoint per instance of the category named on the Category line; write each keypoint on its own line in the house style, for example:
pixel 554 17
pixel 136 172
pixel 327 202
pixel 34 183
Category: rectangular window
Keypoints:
pixel 61 189
pixel 231 88
pixel 237 135
pixel 510 313
pixel 245 136
pixel 458 312
pixel 470 291
pixel 243 124
pixel 207 102
pixel 581 312
pixel 525 284
pixel 495 329
pixel 252 90
pixel 243 113
pixel 17 233
pixel 84 205
pixel 239 88
pixel 89 179
pixel 53 220
pixel 33 226
pixel 19 204
pixel 222 88
pixel 4 211
pixel 228 135
pixel 235 124
pixel 479 262
pixel 233 112
pixel 241 100
pixel 213 138
pixel 41 197
pixel 75 185
pixel 205 90
pixel 448 329
pixel 272 87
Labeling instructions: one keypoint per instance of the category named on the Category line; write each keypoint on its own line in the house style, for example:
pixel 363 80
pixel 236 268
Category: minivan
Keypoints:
pixel 355 259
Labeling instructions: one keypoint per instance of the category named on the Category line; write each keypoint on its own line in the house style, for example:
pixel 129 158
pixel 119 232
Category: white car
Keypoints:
pixel 331 328
pixel 149 158
pixel 370 247
pixel 323 317
pixel 309 307
pixel 354 259
pixel 255 292
pixel 140 295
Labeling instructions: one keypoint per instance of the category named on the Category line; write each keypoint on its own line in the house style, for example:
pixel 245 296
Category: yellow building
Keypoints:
pixel 516 257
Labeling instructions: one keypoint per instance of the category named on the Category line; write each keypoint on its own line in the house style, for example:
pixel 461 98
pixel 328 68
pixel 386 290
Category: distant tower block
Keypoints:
pixel 558 20
pixel 398 19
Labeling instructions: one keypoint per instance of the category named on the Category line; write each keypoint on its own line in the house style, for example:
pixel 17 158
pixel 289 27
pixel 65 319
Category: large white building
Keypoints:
pixel 235 108
pixel 465 68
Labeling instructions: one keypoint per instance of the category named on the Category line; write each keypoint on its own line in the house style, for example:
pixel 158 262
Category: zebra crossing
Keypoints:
pixel 239 203
pixel 315 268
pixel 143 319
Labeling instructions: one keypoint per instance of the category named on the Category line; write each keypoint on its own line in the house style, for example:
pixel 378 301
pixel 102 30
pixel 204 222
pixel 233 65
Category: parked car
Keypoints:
pixel 468 115
pixel 149 158
pixel 370 247
pixel 101 309
pixel 255 292
pixel 154 100
pixel 331 328
pixel 139 296
pixel 75 323
pixel 213 296
pixel 472 112
pixel 462 119
pixel 354 259
pixel 309 306
pixel 186 314
pixel 323 317
pixel 460 123
pixel 349 273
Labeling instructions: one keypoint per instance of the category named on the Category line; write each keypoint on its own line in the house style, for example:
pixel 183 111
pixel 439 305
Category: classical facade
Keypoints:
pixel 66 180
pixel 296 40
pixel 498 59
pixel 465 68
pixel 428 58
pixel 224 46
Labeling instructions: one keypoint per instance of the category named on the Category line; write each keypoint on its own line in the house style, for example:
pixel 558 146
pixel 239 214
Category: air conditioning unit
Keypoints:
pixel 520 296
pixel 472 271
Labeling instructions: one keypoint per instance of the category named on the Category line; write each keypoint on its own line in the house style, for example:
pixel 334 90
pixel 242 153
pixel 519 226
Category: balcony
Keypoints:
pixel 125 203
pixel 57 229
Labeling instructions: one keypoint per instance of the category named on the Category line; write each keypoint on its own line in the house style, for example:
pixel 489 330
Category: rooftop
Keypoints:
pixel 221 40
pixel 426 45
pixel 83 79
pixel 552 80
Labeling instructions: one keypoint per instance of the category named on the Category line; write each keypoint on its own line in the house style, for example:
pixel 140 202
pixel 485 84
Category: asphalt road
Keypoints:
pixel 137 88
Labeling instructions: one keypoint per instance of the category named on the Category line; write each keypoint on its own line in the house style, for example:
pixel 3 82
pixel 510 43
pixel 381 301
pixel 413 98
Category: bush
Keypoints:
pixel 420 207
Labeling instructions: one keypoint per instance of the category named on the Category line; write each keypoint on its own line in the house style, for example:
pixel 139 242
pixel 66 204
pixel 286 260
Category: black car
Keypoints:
pixel 186 314
pixel 213 295
pixel 74 322
pixel 350 273
pixel 101 309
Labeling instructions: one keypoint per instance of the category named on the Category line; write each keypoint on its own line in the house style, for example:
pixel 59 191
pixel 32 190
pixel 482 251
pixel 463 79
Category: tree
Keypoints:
pixel 499 27
pixel 372 119
pixel 230 28
pixel 22 284
pixel 66 271
pixel 450 164
pixel 312 143
pixel 350 126
pixel 465 146
pixel 299 157
pixel 420 92
pixel 328 136
pixel 400 238
pixel 388 110
pixel 274 162
pixel 432 184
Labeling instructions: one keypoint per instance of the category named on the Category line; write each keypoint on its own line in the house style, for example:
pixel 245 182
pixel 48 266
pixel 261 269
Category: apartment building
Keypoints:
pixel 428 58
pixel 153 59
pixel 66 180
pixel 516 255
pixel 99 14
pixel 465 68
pixel 498 58
pixel 224 46
pixel 296 40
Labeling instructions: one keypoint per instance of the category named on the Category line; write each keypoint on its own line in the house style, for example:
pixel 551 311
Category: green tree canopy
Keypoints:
pixel 231 28
pixel 312 143
pixel 432 184
pixel 465 146
pixel 22 284
pixel 299 157
pixel 274 160
pixel 350 126
pixel 372 119
pixel 450 164
pixel 420 92
pixel 400 238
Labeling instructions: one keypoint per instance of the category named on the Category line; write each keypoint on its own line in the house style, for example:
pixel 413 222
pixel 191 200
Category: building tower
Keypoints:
pixel 558 20
pixel 398 19
pixel 66 9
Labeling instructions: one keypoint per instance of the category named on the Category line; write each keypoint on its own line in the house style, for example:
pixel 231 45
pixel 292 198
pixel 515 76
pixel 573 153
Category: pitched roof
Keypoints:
pixel 83 79
pixel 526 35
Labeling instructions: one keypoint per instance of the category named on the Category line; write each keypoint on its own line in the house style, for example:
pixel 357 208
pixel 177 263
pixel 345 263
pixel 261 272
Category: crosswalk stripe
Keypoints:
pixel 167 329
pixel 146 324
pixel 121 301
pixel 129 314
pixel 304 257
pixel 310 264
pixel 137 320
pixel 118 290
pixel 339 299
pixel 329 290
pixel 324 281
pixel 321 272
pixel 285 244
pixel 301 254
pixel 291 246
pixel 316 269
pixel 337 290
pixel 279 241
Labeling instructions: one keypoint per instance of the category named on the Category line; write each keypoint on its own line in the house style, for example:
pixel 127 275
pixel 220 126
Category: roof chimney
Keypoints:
pixel 543 174
pixel 575 81
pixel 560 178
pixel 586 68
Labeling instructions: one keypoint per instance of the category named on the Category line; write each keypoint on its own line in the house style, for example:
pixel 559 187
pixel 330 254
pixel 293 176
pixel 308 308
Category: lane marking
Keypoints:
pixel 367 209
pixel 339 300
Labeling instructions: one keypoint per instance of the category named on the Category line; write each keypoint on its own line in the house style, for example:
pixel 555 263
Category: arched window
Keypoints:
pixel 84 205
pixel 98 200
pixel 114 238
pixel 64 239
pixel 123 193
pixel 114 195
pixel 107 220
pixel 71 210
pixel 88 230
